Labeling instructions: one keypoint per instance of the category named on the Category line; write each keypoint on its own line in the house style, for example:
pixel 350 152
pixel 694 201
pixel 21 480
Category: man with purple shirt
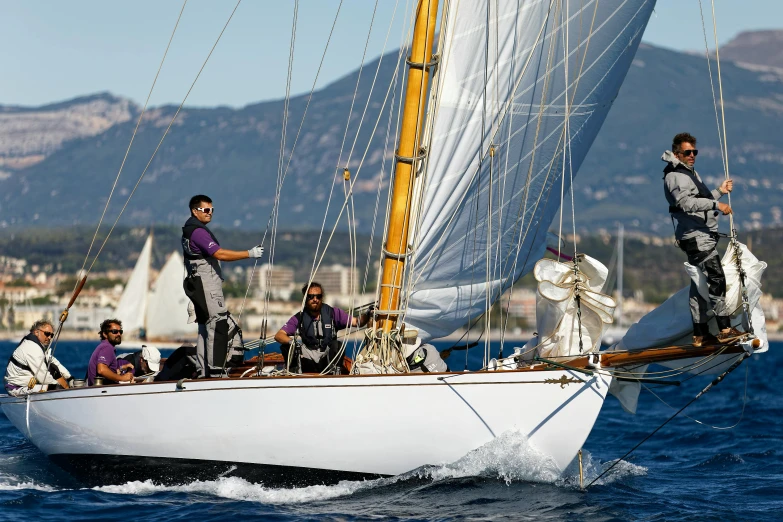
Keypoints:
pixel 103 362
pixel 317 327
pixel 204 287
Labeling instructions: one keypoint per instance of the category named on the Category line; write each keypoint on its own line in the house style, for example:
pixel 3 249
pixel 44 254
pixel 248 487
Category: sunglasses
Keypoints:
pixel 114 331
pixel 48 335
pixel 695 152
pixel 207 210
pixel 314 296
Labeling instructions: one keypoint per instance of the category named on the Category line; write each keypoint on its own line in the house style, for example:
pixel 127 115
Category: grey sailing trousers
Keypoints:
pixel 214 336
pixel 703 254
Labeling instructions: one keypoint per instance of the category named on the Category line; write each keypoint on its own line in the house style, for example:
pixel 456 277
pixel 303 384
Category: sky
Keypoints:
pixel 54 50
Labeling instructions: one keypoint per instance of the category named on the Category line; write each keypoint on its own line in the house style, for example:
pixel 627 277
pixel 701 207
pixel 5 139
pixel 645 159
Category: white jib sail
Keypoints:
pixel 502 82
pixel 132 308
pixel 167 313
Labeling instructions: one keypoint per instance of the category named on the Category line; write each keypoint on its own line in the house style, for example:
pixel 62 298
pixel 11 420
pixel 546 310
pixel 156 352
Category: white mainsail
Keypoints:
pixel 132 307
pixel 167 312
pixel 502 81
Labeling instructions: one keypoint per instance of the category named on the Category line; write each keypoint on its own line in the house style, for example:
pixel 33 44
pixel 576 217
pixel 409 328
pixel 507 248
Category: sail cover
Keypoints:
pixel 132 307
pixel 482 220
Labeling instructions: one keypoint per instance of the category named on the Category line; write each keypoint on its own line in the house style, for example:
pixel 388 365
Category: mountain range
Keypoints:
pixel 58 162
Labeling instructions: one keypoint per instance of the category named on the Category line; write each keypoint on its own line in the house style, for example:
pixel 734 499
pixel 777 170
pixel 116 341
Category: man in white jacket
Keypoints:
pixel 31 365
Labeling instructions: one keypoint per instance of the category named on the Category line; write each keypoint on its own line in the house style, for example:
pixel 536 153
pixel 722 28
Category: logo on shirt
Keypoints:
pixel 211 244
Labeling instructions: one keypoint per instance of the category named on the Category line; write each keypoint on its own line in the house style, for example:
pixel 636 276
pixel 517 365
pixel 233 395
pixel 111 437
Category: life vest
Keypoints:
pixel 190 226
pixel 704 192
pixel 317 334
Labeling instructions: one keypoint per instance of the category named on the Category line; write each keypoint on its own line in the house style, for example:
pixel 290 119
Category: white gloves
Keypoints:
pixel 256 252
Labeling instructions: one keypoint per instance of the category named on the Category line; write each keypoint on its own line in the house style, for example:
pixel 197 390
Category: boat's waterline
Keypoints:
pixel 324 428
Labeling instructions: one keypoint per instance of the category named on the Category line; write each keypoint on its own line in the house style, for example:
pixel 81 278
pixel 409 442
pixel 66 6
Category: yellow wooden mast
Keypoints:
pixel 408 156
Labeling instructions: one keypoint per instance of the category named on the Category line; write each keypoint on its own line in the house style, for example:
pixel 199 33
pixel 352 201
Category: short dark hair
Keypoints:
pixel 308 286
pixel 106 324
pixel 681 138
pixel 40 323
pixel 197 200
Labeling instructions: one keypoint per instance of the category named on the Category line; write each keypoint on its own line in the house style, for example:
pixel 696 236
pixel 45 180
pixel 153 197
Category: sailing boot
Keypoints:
pixel 727 332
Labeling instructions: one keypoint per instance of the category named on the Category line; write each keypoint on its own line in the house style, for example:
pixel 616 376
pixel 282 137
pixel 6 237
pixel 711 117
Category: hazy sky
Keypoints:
pixel 54 50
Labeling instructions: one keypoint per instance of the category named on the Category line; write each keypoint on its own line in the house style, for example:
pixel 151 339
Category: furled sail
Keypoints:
pixel 671 323
pixel 482 219
pixel 167 313
pixel 132 308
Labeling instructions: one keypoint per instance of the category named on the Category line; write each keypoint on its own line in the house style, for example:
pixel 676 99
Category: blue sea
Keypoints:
pixel 687 471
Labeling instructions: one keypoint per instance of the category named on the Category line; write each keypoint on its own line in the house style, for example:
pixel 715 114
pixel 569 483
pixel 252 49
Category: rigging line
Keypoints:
pixel 350 190
pixel 278 191
pixel 281 160
pixel 133 137
pixel 697 421
pixel 462 199
pixel 716 381
pixel 453 215
pixel 712 87
pixel 163 137
pixel 342 147
pixel 722 110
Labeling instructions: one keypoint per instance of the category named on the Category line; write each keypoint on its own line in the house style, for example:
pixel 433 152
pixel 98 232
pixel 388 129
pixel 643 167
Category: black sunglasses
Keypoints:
pixel 114 331
pixel 207 210
pixel 695 152
pixel 314 296
pixel 48 335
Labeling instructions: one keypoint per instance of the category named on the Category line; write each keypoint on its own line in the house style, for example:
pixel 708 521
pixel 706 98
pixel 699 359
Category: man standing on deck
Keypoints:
pixel 695 209
pixel 32 366
pixel 204 287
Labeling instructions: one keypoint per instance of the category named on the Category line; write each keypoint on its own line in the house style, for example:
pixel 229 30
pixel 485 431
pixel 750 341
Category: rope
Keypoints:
pixel 168 128
pixel 278 188
pixel 697 421
pixel 715 382
pixel 133 137
pixel 82 273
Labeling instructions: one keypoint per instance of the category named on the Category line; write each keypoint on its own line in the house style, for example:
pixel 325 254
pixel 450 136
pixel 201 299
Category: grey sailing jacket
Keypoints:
pixel 693 206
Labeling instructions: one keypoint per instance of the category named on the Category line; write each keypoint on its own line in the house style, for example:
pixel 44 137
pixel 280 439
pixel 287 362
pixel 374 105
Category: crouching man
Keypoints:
pixel 32 366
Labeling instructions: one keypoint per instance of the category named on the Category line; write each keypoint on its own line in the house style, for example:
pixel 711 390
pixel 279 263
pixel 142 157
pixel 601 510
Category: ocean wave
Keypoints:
pixel 509 458
pixel 236 488
pixel 14 483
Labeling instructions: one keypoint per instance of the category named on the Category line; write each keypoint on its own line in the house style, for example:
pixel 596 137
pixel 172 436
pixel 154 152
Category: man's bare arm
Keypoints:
pixel 106 372
pixel 230 255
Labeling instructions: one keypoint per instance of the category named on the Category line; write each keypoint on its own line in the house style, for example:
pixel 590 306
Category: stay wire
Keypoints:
pixel 168 128
pixel 133 137
pixel 716 381
pixel 82 274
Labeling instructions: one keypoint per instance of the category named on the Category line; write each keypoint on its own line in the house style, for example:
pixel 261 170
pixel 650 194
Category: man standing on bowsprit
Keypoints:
pixel 695 208
pixel 204 286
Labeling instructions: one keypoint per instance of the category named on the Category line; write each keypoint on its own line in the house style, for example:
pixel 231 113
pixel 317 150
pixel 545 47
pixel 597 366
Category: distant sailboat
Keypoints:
pixel 160 312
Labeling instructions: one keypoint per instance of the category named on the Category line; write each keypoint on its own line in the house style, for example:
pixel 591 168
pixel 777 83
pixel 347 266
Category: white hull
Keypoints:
pixel 382 425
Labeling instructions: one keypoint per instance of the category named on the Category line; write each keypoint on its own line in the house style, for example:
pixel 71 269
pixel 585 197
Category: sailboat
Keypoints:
pixel 157 313
pixel 484 158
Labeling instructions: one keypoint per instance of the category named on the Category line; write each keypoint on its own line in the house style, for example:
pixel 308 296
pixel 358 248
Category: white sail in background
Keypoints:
pixel 167 312
pixel 504 83
pixel 132 308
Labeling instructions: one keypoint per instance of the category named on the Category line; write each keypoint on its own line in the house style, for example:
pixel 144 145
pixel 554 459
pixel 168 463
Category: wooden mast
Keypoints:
pixel 408 156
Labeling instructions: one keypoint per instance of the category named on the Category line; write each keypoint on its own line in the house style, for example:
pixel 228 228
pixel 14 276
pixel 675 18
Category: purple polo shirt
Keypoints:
pixel 341 321
pixel 202 243
pixel 104 354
